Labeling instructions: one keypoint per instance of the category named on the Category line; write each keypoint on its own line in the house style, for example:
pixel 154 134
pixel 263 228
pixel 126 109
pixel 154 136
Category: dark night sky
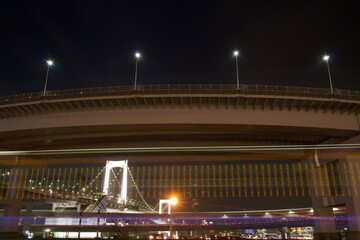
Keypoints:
pixel 188 41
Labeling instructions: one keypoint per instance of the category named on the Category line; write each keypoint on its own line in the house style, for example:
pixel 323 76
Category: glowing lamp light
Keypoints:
pixel 326 58
pixel 173 201
pixel 49 62
pixel 137 55
pixel 236 53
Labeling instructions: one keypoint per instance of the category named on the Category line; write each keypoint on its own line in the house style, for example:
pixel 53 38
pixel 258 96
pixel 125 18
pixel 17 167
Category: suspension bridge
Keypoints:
pixel 90 189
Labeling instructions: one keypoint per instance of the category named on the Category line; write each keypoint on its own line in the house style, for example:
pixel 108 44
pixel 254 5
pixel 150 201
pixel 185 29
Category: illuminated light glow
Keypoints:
pixel 182 149
pixel 236 53
pixel 120 164
pixel 137 55
pixel 326 58
pixel 173 201
pixel 49 62
pixel 291 212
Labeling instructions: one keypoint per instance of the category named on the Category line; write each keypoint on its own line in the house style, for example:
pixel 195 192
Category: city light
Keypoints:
pixel 137 56
pixel 49 63
pixel 236 53
pixel 326 59
pixel 173 201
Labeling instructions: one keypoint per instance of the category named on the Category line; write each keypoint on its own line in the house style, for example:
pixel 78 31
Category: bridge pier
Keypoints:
pixel 352 199
pixel 354 221
pixel 10 220
pixel 27 220
pixel 325 227
pixel 324 219
pixel 285 233
pixel 11 204
pixel 346 192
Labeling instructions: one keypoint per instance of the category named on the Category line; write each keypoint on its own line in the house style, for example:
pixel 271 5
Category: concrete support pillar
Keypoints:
pixel 348 195
pixel 324 224
pixel 10 220
pixel 325 227
pixel 353 212
pixel 12 204
pixel 351 171
pixel 27 220
pixel 285 233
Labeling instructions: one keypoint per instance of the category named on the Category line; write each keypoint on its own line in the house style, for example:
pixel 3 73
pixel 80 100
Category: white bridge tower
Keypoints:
pixel 117 164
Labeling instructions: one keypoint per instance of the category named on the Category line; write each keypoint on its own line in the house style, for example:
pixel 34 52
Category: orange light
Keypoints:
pixel 173 201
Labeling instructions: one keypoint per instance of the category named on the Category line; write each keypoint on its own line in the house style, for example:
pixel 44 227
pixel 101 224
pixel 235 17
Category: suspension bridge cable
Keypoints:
pixel 97 176
pixel 138 191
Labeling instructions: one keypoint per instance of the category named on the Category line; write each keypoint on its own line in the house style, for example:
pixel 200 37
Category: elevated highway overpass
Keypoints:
pixel 158 115
pixel 177 138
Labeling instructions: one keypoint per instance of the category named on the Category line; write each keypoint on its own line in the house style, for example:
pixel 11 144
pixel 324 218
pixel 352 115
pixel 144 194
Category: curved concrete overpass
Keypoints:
pixel 177 114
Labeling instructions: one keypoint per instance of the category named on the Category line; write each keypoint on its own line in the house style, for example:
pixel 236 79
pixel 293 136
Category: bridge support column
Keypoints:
pixel 353 212
pixel 109 166
pixel 325 228
pixel 10 220
pixel 27 220
pixel 350 169
pixel 285 233
pixel 12 204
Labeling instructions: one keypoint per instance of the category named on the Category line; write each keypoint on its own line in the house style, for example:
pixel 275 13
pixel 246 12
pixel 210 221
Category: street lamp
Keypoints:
pixel 137 56
pixel 169 202
pixel 173 201
pixel 49 63
pixel 326 59
pixel 236 54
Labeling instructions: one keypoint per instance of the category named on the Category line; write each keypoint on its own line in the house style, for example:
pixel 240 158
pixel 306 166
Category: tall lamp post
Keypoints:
pixel 326 59
pixel 236 54
pixel 137 56
pixel 173 201
pixel 49 63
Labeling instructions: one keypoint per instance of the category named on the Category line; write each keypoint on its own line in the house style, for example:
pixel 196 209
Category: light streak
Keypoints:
pixel 180 149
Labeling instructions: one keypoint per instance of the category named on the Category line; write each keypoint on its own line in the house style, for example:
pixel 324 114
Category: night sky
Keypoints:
pixel 181 42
